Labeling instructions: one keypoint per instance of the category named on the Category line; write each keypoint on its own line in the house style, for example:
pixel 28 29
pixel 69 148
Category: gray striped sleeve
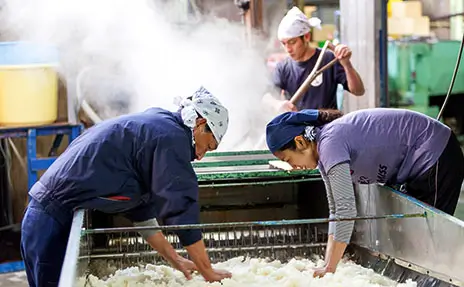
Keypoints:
pixel 342 193
pixel 147 233
pixel 330 200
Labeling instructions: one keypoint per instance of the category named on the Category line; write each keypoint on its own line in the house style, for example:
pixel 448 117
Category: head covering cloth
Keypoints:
pixel 209 107
pixel 285 127
pixel 296 24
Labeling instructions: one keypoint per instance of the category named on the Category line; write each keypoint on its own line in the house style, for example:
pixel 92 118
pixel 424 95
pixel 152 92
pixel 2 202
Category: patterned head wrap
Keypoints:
pixel 209 107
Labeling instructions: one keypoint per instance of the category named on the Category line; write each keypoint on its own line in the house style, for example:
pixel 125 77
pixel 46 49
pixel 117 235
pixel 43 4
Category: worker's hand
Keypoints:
pixel 286 106
pixel 321 271
pixel 343 54
pixel 159 242
pixel 197 252
pixel 216 275
pixel 184 265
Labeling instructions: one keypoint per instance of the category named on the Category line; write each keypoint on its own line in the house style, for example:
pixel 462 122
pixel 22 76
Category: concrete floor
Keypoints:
pixel 16 279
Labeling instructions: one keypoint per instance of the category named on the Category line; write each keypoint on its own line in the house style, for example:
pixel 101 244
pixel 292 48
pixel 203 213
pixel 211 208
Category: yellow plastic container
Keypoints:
pixel 28 95
pixel 28 84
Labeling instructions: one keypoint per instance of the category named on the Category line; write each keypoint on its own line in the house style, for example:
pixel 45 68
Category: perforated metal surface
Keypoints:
pixel 102 253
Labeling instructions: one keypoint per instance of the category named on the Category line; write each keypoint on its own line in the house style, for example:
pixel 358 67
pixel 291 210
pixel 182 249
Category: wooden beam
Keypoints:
pixel 253 19
pixel 256 9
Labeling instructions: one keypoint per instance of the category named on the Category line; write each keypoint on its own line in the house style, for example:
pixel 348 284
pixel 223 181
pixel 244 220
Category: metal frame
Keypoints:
pixel 432 246
pixel 400 248
pixel 35 164
pixel 11 267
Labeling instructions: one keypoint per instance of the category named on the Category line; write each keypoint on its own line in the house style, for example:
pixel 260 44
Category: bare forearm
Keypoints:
pixel 355 83
pixel 335 251
pixel 159 242
pixel 328 249
pixel 199 256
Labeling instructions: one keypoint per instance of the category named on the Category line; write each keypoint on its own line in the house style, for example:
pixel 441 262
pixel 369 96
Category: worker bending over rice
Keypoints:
pixel 386 146
pixel 138 165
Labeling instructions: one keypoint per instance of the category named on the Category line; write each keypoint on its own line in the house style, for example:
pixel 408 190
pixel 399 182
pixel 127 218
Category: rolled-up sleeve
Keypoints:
pixel 342 203
pixel 175 188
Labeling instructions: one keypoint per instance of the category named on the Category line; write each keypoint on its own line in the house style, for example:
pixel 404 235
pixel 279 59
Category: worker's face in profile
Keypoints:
pixel 296 47
pixel 204 139
pixel 304 156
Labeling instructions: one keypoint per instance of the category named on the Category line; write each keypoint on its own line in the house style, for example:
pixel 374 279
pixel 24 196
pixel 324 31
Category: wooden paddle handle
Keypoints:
pixel 305 86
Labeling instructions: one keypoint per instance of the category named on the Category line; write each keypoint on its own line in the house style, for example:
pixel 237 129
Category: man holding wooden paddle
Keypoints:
pixel 291 73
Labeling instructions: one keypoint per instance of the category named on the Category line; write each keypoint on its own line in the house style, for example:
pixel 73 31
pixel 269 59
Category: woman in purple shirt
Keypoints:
pixel 387 146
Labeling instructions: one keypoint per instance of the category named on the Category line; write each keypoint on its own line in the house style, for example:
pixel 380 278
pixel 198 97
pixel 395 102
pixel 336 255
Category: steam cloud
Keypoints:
pixel 138 52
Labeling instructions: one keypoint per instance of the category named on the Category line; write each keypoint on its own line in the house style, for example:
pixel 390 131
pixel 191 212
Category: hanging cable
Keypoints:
pixel 453 78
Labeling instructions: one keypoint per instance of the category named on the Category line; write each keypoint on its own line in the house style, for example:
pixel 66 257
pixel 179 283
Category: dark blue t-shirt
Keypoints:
pixel 289 75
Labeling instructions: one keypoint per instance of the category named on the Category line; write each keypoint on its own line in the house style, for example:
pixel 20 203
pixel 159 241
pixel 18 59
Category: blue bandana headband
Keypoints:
pixel 285 127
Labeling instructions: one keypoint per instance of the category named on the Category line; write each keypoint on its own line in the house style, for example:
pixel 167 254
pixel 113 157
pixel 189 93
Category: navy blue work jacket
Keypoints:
pixel 138 164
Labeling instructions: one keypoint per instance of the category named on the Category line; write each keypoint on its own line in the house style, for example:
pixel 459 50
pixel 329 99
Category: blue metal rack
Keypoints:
pixel 35 164
pixel 11 267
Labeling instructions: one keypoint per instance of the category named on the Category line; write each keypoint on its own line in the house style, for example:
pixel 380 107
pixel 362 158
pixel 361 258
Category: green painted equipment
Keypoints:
pixel 419 77
pixel 242 185
pixel 247 167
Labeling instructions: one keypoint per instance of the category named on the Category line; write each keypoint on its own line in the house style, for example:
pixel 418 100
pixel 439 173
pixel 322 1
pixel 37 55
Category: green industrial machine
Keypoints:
pixel 419 74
